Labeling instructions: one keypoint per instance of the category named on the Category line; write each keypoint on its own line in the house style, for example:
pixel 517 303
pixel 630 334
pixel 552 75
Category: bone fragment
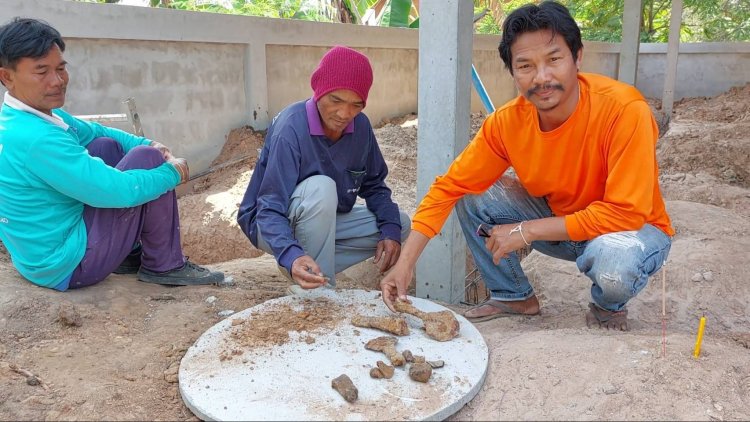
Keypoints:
pixel 442 325
pixel 393 325
pixel 387 345
pixel 420 372
pixel 383 370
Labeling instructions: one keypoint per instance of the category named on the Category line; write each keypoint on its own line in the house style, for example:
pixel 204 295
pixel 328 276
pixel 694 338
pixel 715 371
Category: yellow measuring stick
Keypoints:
pixel 699 339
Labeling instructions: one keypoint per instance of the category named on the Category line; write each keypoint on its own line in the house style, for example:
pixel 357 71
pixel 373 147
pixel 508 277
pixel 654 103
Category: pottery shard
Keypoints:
pixel 344 385
pixel 420 372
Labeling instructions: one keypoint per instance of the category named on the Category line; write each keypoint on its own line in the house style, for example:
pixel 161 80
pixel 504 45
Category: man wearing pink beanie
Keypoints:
pixel 320 154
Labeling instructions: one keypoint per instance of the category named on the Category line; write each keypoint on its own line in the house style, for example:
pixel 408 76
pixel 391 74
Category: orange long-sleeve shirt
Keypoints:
pixel 598 169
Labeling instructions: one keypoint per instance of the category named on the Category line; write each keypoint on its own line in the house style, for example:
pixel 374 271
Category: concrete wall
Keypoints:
pixel 195 76
pixel 393 92
pixel 186 109
pixel 703 70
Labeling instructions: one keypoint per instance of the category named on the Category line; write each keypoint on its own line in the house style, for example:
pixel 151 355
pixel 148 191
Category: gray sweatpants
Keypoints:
pixel 336 241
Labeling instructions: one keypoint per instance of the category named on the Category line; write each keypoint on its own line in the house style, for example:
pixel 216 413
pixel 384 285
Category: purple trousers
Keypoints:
pixel 114 232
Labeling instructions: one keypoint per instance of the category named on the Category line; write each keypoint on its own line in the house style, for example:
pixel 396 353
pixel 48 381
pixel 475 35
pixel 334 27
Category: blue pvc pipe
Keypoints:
pixel 479 86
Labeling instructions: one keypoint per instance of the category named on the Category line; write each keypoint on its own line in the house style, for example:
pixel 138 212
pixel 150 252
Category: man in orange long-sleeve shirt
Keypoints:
pixel 583 149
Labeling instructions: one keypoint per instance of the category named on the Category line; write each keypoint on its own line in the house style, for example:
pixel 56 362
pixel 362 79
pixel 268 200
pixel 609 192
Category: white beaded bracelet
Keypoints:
pixel 519 229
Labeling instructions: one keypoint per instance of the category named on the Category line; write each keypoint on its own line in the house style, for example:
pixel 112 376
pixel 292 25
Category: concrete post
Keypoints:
pixel 673 49
pixel 256 87
pixel 631 34
pixel 445 52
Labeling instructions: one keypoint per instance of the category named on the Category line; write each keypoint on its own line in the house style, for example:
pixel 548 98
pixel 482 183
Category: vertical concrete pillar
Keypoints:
pixel 256 91
pixel 673 49
pixel 445 51
pixel 631 41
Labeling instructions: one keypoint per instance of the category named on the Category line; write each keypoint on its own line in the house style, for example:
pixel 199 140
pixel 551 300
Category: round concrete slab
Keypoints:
pixel 292 381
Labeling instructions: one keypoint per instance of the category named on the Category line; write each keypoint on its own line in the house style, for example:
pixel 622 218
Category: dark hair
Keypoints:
pixel 24 37
pixel 531 18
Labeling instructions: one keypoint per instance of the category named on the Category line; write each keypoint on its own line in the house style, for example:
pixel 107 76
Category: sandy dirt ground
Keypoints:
pixel 112 351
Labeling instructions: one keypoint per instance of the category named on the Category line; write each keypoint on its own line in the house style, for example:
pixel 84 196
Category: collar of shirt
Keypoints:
pixel 313 120
pixel 13 102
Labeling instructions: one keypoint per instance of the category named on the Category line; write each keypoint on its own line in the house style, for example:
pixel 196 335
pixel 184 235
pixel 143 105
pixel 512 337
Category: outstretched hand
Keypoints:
pixel 306 273
pixel 393 286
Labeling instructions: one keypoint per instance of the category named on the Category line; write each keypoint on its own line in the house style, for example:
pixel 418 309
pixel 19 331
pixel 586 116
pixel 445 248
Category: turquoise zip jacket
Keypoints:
pixel 46 178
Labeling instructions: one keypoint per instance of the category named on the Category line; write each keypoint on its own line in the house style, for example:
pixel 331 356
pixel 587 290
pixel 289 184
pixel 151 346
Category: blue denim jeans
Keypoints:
pixel 336 241
pixel 618 264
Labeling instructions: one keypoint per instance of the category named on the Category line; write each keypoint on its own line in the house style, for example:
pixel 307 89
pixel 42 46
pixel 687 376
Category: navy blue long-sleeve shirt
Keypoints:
pixel 296 148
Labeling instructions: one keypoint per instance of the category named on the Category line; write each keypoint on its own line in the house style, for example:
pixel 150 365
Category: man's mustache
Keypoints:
pixel 544 87
pixel 62 90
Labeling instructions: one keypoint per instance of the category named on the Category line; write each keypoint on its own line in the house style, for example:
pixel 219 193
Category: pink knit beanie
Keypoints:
pixel 342 68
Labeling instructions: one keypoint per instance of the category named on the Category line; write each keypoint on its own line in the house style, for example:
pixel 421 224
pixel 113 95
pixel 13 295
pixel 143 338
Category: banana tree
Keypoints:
pixel 393 13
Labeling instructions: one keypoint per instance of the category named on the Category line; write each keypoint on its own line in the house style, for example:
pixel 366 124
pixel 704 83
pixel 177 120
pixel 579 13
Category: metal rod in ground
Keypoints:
pixel 221 166
pixel 135 119
pixel 664 310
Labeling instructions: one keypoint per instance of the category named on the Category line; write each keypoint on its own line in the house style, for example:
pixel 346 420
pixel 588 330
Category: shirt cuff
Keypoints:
pixel 390 231
pixel 175 172
pixel 423 228
pixel 574 229
pixel 288 256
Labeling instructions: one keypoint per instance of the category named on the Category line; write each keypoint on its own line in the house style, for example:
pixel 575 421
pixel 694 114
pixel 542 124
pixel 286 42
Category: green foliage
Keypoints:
pixel 396 14
pixel 288 9
pixel 717 20
pixel 600 20
pixel 487 25
pixel 359 7
pixel 702 20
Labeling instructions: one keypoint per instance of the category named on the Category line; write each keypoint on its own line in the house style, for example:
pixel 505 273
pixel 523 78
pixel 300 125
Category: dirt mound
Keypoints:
pixel 704 155
pixel 399 147
pixel 729 107
pixel 209 211
pixel 704 146
pixel 241 142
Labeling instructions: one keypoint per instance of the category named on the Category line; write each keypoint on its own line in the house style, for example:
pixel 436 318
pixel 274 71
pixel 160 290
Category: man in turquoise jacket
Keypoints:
pixel 80 200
